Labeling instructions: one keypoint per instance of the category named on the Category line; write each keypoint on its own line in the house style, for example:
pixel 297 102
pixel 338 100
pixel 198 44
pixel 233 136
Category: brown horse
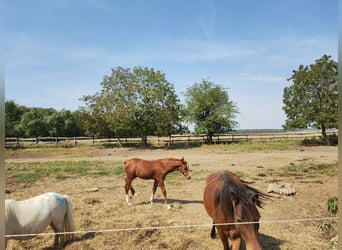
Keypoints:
pixel 156 170
pixel 231 203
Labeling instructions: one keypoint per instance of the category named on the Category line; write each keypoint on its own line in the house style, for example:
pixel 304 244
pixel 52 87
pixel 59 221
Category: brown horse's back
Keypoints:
pixel 212 197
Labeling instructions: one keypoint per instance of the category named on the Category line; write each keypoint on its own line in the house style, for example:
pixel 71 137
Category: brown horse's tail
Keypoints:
pixel 213 232
pixel 69 223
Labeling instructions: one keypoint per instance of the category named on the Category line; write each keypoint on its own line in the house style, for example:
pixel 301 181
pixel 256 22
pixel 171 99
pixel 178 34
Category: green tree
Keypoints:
pixel 61 123
pixel 91 123
pixel 210 108
pixel 137 102
pixel 13 113
pixel 33 124
pixel 311 100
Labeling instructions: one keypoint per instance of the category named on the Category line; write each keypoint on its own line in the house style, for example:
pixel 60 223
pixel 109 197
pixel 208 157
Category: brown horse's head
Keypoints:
pixel 227 199
pixel 185 169
pixel 247 218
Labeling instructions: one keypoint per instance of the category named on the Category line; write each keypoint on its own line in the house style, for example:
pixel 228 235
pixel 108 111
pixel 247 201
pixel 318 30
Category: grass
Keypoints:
pixel 31 171
pixel 311 170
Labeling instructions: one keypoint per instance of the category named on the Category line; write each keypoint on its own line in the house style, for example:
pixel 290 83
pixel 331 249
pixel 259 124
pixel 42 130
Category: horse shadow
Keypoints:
pixel 269 242
pixel 172 201
pixel 86 236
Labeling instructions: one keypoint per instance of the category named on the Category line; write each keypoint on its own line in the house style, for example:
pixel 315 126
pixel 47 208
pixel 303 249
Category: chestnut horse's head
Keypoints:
pixel 185 169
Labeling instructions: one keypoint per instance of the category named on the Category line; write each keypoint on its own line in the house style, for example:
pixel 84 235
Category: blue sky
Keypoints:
pixel 57 51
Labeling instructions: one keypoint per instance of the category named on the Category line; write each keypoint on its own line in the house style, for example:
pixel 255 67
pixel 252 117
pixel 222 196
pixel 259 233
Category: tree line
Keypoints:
pixel 140 102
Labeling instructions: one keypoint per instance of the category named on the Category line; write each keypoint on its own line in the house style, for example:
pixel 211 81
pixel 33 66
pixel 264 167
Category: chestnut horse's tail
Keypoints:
pixel 126 161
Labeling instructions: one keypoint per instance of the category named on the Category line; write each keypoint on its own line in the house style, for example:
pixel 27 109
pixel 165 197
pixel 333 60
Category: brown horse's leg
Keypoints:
pixel 236 243
pixel 162 187
pixel 223 238
pixel 154 188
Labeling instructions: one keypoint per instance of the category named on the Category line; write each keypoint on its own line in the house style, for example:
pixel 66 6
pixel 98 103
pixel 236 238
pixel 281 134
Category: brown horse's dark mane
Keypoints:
pixel 233 186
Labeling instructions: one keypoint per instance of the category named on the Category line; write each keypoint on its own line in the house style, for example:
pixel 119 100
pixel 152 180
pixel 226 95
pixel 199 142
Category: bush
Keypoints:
pixel 316 141
pixel 333 139
pixel 333 205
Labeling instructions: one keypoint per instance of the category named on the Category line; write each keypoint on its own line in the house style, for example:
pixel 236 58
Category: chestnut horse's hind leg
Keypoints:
pixel 155 185
pixel 128 186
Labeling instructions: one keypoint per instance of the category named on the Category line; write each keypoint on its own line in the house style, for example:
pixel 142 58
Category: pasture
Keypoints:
pixel 94 179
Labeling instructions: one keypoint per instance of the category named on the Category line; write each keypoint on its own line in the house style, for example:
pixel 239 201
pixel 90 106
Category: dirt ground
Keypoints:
pixel 104 221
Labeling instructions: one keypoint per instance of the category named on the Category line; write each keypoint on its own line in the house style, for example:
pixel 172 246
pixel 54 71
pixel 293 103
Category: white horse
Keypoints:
pixel 32 216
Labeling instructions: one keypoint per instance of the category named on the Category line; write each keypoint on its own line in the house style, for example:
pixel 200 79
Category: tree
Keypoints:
pixel 311 101
pixel 91 123
pixel 61 123
pixel 13 113
pixel 210 108
pixel 137 102
pixel 33 124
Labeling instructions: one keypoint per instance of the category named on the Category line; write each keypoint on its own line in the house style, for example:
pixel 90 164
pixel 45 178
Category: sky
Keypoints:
pixel 58 51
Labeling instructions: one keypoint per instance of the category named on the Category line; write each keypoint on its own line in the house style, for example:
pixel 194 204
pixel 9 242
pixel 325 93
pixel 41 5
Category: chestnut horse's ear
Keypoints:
pixel 182 158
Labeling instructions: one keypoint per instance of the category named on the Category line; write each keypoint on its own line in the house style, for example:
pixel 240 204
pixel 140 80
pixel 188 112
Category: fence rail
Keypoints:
pixel 12 142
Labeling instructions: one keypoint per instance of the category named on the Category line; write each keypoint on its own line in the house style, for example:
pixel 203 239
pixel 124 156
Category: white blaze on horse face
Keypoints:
pixel 187 172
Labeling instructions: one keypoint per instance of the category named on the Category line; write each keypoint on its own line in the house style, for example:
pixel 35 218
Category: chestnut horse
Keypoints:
pixel 154 169
pixel 231 203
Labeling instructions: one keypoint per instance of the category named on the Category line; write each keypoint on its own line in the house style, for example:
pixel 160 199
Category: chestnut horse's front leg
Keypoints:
pixel 162 187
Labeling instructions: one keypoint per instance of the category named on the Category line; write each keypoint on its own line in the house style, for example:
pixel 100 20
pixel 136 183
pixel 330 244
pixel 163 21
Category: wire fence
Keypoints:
pixel 115 230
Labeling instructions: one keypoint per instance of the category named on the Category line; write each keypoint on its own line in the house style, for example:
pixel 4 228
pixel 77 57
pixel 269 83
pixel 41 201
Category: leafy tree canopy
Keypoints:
pixel 23 121
pixel 311 100
pixel 210 108
pixel 138 101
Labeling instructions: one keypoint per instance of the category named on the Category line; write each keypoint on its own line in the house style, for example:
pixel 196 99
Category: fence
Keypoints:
pixel 159 141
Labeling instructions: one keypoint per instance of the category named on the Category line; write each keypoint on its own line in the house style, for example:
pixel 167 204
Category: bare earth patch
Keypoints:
pixel 104 221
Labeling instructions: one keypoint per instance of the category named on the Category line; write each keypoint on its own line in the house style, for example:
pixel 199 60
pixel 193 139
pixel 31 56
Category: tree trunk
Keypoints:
pixel 119 140
pixel 210 138
pixel 325 136
pixel 144 141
